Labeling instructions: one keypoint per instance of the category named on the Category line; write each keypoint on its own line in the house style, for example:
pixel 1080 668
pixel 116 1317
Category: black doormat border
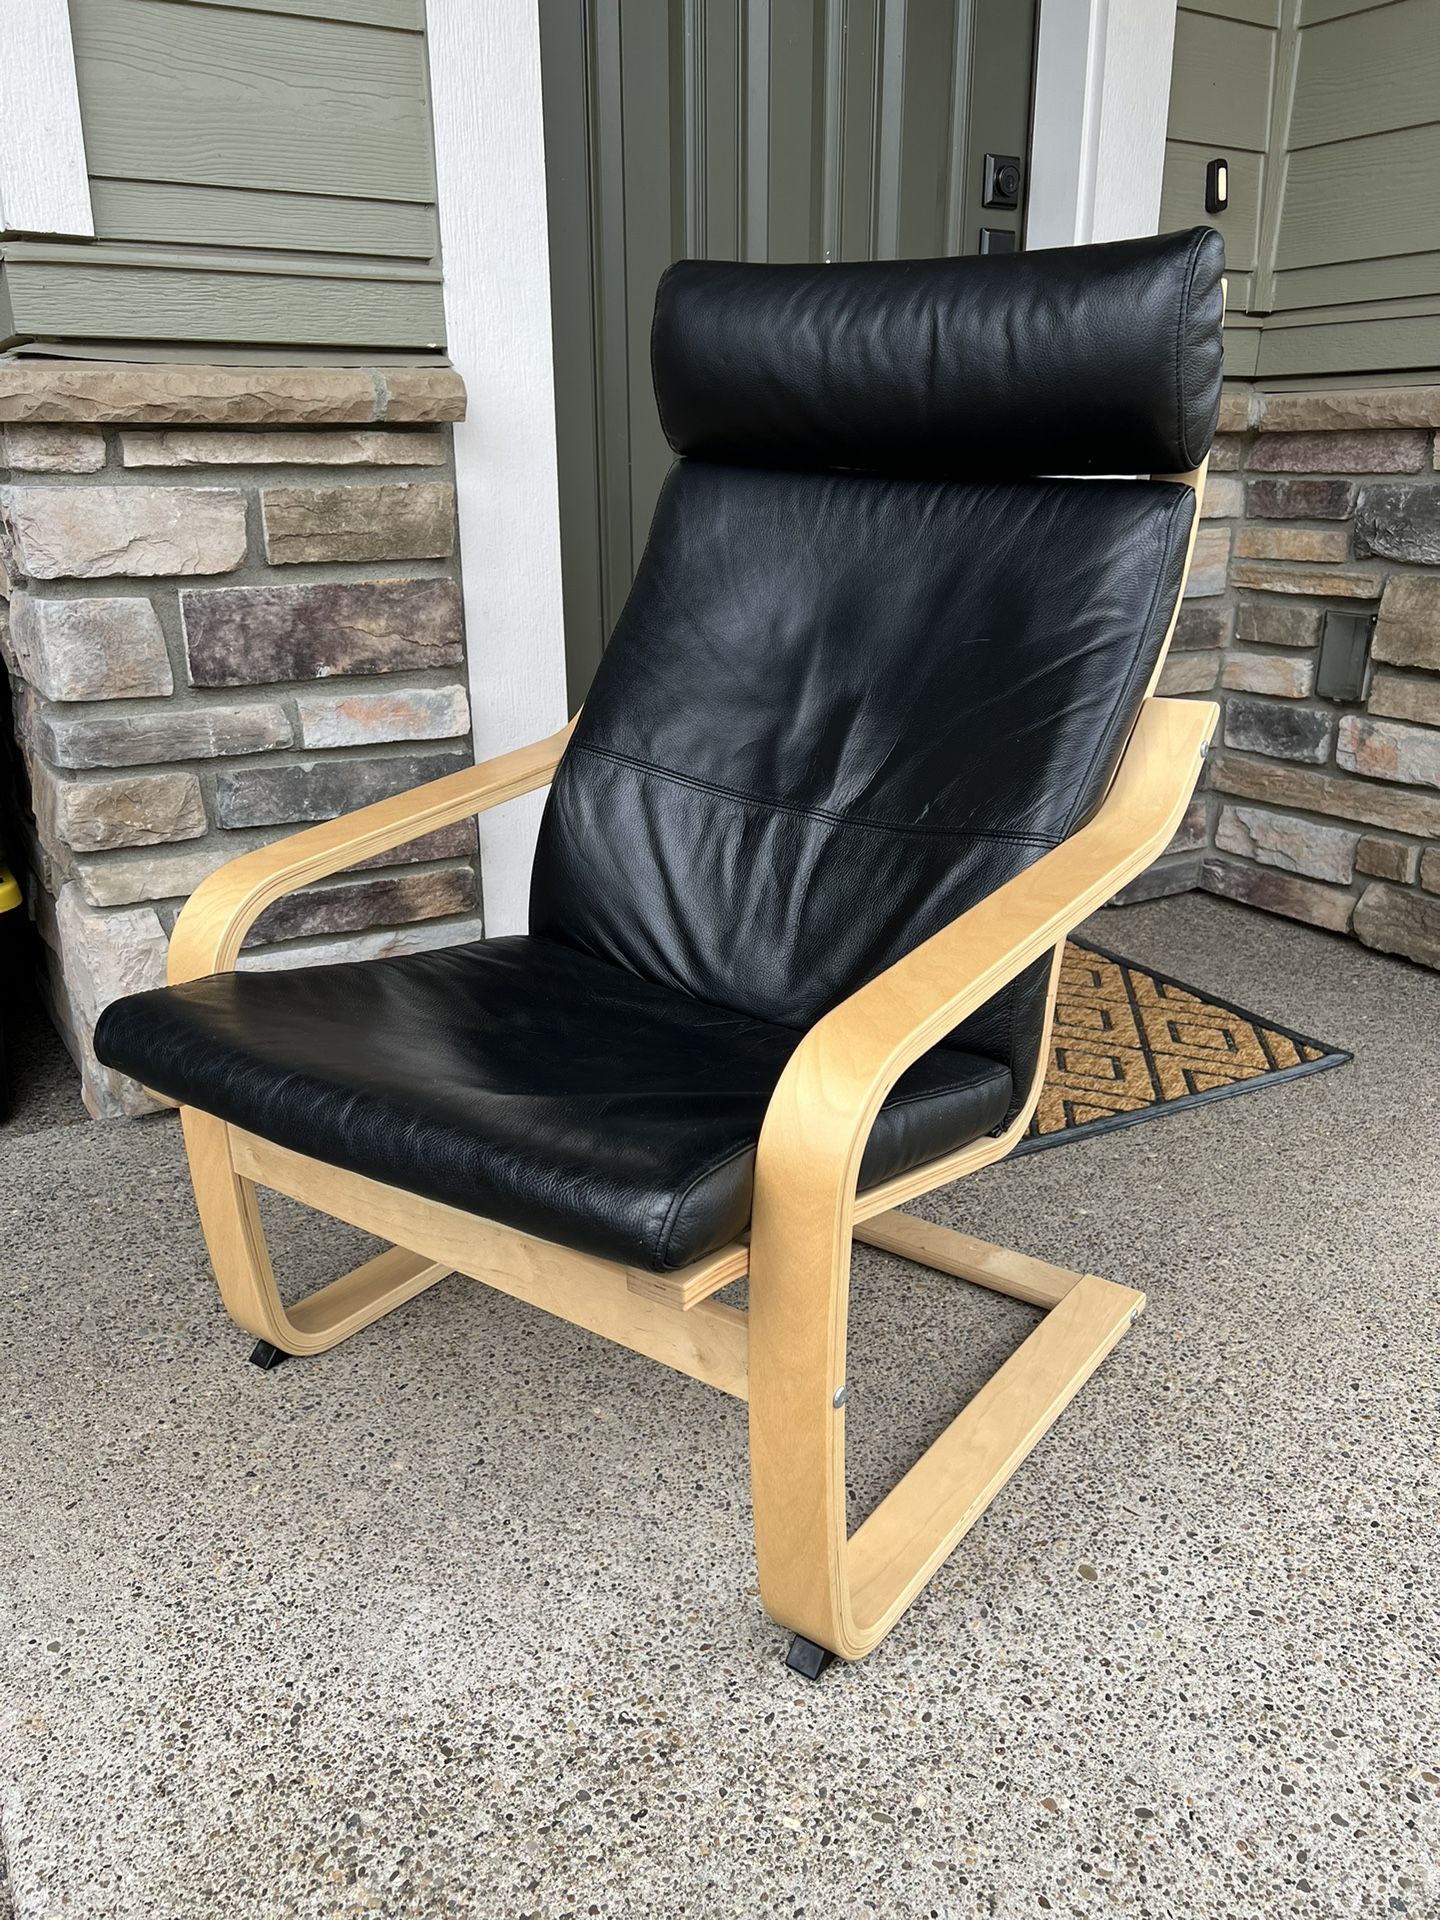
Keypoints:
pixel 1255 1083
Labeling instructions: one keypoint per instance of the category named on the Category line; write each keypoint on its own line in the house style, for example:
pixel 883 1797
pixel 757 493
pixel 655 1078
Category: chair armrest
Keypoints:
pixel 825 1103
pixel 223 908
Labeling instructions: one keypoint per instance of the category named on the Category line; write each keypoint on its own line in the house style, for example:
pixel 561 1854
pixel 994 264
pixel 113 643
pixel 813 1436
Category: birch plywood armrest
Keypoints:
pixel 221 911
pixel 837 1078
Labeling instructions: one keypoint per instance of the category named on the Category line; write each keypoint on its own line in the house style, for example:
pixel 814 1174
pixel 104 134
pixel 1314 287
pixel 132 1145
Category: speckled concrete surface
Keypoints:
pixel 461 1619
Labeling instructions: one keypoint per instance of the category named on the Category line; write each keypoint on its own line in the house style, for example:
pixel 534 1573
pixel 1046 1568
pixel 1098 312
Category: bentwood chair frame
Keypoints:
pixel 839 1593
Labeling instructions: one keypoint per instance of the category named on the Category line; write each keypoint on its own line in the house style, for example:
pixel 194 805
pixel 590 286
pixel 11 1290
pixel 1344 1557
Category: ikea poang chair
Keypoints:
pixel 875 731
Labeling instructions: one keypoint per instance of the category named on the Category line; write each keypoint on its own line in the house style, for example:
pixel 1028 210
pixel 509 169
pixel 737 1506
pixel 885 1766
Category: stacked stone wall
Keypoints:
pixel 1326 811
pixel 233 607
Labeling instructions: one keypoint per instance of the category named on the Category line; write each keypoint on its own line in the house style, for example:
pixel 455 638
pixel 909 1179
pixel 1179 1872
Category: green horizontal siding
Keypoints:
pixel 261 176
pixel 1329 113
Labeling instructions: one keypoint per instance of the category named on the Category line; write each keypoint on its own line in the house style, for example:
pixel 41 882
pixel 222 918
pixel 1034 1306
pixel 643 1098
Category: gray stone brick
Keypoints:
pixel 1387 859
pixel 1283 676
pixel 403 520
pixel 1324 583
pixel 1342 408
pixel 390 714
pixel 1300 499
pixel 127 878
pixel 1389 750
pixel 1404 451
pixel 141 393
pixel 251 636
pixel 275 796
pixel 1284 733
pixel 1395 920
pixel 1237 401
pixel 137 739
pixel 1160 881
pixel 102 649
pixel 1408 631
pixel 1399 696
pixel 1224 498
pixel 1189 836
pixel 1285 841
pixel 420 394
pixel 350 906
pixel 456 842
pixel 1430 870
pixel 52 449
pixel 1266 625
pixel 1188 673
pixel 135 810
pixel 1399 523
pixel 1274 892
pixel 219 447
pixel 92 533
pixel 1208 565
pixel 1200 628
pixel 1292 543
pixel 104 956
pixel 422 936
pixel 1399 809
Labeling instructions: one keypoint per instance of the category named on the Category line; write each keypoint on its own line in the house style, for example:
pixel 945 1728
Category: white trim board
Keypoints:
pixel 490 180
pixel 44 187
pixel 1102 98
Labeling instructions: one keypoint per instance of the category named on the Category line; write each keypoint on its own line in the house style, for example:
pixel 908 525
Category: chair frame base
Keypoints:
pixel 680 1325
pixel 785 1355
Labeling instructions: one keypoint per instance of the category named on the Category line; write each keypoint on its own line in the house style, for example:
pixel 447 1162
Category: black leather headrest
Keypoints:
pixel 1072 360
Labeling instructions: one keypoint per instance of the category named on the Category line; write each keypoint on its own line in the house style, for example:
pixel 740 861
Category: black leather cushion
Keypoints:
pixel 840 707
pixel 1073 360
pixel 837 710
pixel 520 1080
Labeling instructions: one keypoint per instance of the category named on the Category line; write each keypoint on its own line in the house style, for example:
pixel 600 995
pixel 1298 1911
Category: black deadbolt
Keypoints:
pixel 1002 180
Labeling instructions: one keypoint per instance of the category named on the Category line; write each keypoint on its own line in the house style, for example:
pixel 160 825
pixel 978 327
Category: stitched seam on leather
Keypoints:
pixel 826 814
pixel 1103 744
pixel 1182 439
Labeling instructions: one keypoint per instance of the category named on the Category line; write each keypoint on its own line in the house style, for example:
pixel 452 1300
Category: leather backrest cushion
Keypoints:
pixel 838 710
pixel 1086 360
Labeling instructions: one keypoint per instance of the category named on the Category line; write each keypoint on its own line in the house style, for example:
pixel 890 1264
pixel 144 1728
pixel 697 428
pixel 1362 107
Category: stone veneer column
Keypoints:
pixel 1326 812
pixel 233 606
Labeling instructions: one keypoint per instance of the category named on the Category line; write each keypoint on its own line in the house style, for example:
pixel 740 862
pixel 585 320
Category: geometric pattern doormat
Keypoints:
pixel 1130 1043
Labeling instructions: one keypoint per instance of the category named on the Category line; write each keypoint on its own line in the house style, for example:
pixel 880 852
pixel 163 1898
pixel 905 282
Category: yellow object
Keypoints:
pixel 10 895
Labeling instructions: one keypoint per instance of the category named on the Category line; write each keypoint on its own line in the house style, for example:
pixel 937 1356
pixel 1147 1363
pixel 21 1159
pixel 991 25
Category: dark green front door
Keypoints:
pixel 752 130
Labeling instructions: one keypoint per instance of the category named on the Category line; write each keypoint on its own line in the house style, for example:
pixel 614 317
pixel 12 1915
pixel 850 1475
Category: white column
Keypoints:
pixel 490 178
pixel 44 187
pixel 1102 97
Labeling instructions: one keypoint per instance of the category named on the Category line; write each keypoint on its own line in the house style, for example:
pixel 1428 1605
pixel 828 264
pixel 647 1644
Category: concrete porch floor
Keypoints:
pixel 461 1619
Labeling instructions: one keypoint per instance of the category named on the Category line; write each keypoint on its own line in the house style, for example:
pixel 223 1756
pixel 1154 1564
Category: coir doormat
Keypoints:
pixel 1130 1043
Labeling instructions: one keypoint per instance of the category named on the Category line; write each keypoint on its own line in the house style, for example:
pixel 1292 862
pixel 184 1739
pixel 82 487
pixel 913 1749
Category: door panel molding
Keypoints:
pixel 750 129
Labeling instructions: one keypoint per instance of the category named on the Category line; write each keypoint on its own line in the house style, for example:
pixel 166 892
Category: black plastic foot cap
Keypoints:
pixel 267 1358
pixel 805 1657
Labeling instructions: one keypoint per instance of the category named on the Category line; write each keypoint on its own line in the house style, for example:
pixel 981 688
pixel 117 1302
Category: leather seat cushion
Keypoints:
pixel 522 1080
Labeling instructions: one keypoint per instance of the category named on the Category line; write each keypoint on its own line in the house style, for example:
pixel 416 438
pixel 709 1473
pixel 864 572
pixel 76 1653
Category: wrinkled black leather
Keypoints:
pixel 1074 360
pixel 520 1080
pixel 846 700
pixel 838 710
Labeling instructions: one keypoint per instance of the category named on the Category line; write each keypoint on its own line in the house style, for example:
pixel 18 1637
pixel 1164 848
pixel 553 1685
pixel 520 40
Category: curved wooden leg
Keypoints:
pixel 235 1238
pixel 845 1593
